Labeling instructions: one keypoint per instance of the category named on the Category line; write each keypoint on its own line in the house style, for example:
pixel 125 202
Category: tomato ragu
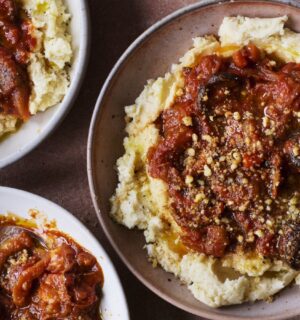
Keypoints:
pixel 15 45
pixel 229 152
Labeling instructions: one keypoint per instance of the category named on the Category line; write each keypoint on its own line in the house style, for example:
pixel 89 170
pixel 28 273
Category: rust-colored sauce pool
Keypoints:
pixel 61 280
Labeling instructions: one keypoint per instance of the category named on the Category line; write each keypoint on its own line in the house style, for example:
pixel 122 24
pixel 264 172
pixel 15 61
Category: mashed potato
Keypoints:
pixel 142 202
pixel 49 63
pixel 47 66
pixel 7 124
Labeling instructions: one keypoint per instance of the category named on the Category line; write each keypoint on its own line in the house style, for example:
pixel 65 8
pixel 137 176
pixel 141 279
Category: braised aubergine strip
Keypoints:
pixel 15 46
pixel 230 153
pixel 63 282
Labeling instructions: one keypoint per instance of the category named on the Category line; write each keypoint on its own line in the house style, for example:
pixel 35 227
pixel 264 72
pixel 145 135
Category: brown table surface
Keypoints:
pixel 56 170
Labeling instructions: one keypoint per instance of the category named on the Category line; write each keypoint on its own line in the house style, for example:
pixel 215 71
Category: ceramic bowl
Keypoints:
pixel 113 304
pixel 150 56
pixel 32 133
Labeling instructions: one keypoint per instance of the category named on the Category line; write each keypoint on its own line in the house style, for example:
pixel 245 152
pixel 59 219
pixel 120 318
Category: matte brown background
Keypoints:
pixel 57 169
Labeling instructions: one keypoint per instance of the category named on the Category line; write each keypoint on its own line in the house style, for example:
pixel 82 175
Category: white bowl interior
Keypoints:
pixel 113 303
pixel 40 126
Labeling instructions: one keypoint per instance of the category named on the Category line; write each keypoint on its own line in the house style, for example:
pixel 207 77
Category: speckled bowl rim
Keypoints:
pixel 72 93
pixel 97 114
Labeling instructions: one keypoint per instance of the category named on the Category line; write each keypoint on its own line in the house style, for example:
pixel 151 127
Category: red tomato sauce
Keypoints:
pixel 229 152
pixel 15 45
pixel 63 281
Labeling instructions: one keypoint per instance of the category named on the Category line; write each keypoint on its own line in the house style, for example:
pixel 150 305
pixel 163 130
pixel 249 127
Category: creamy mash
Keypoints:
pixel 142 202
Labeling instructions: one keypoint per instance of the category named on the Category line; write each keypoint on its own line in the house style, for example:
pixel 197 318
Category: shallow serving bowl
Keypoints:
pixel 113 304
pixel 150 56
pixel 32 133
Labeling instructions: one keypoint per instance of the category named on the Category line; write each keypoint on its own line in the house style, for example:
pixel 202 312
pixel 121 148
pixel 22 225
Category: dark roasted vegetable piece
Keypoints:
pixel 23 286
pixel 230 79
pixel 7 9
pixel 14 245
pixel 289 245
pixel 291 149
pixel 13 84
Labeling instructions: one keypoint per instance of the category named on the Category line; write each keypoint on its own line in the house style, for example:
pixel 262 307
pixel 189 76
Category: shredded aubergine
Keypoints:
pixel 229 151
